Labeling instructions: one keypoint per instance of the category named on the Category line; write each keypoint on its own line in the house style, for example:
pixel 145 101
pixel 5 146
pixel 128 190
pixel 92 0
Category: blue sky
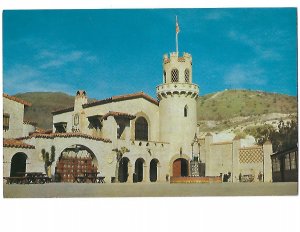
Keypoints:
pixel 112 52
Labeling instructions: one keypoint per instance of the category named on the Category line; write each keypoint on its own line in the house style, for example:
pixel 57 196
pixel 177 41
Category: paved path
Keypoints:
pixel 148 190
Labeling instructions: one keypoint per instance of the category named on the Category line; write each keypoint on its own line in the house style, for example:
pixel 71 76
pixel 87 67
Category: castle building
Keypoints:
pixel 133 137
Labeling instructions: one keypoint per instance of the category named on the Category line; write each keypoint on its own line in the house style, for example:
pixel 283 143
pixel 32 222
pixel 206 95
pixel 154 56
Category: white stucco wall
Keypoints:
pixel 132 106
pixel 16 113
pixel 64 117
pixel 27 128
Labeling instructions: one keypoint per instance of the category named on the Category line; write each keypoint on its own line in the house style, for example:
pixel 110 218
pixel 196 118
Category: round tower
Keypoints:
pixel 177 106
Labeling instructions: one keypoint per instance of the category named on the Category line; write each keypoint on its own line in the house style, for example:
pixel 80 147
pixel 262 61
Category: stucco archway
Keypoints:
pixel 18 164
pixel 185 160
pixel 123 171
pixel 139 170
pixel 154 164
pixel 73 161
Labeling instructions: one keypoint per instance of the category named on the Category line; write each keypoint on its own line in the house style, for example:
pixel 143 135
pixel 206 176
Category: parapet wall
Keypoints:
pixel 189 179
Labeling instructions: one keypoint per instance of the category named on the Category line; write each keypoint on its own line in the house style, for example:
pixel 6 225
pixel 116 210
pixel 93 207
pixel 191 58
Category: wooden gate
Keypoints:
pixel 177 168
pixel 180 167
pixel 68 168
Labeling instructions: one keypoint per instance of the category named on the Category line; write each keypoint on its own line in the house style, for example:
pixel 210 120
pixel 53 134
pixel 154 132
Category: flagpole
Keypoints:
pixel 176 36
pixel 177 43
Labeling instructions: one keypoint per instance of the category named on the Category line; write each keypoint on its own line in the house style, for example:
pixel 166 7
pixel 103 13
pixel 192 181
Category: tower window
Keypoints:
pixel 185 111
pixel 165 78
pixel 187 75
pixel 174 75
pixel 141 129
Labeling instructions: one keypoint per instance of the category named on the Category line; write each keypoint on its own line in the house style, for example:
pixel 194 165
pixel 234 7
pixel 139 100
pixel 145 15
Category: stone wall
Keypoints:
pixel 225 157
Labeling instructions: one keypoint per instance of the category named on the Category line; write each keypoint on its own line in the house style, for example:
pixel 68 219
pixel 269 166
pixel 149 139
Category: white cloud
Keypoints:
pixel 241 76
pixel 256 44
pixel 216 15
pixel 44 68
pixel 24 78
pixel 55 60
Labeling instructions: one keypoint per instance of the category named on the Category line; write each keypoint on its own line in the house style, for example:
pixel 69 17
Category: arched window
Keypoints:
pixel 174 75
pixel 153 170
pixel 165 77
pixel 187 75
pixel 141 129
pixel 185 111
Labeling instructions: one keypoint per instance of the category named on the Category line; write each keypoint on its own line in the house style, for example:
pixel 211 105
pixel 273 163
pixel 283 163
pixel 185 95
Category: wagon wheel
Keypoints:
pixel 25 181
pixel 43 180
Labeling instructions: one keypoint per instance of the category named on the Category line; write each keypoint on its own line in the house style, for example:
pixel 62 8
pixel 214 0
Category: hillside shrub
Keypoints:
pixel 240 135
pixel 285 137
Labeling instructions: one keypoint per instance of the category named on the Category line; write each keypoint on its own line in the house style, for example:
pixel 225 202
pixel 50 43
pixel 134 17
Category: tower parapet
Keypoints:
pixel 177 76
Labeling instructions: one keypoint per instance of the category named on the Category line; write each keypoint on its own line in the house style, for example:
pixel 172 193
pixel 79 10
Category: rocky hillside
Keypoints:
pixel 216 112
pixel 241 103
pixel 43 103
pixel 231 111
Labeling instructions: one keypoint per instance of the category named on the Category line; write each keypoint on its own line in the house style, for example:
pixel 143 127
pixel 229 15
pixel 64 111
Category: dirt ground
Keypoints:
pixel 67 190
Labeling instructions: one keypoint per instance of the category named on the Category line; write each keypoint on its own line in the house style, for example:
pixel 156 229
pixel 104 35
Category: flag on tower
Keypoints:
pixel 177 26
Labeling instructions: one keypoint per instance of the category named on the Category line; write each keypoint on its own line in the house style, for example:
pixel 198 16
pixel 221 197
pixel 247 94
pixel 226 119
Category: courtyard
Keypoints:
pixel 68 190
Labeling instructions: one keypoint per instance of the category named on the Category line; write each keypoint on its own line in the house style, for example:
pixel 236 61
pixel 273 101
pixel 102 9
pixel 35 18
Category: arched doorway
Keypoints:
pixel 141 129
pixel 76 160
pixel 153 170
pixel 139 170
pixel 123 170
pixel 18 164
pixel 180 167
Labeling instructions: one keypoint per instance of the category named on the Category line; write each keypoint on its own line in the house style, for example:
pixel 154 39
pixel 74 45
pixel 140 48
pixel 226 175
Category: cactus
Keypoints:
pixel 48 160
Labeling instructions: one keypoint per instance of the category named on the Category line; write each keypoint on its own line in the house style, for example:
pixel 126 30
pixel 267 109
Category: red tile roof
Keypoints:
pixel 29 123
pixel 122 98
pixel 65 135
pixel 109 100
pixel 166 60
pixel 17 99
pixel 117 114
pixel 16 144
pixel 39 130
pixel 222 143
pixel 252 147
pixel 60 111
